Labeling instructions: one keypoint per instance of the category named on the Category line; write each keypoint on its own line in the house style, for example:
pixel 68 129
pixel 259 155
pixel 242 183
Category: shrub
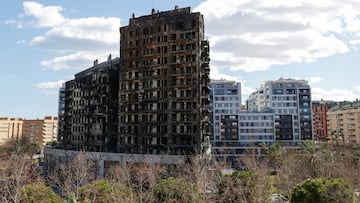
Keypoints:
pixel 176 190
pixel 322 190
pixel 106 191
pixel 39 192
pixel 237 187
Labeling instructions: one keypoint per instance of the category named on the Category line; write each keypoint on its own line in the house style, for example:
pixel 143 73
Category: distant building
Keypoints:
pixel 256 128
pixel 89 116
pixel 236 131
pixel 319 112
pixel 225 106
pixel 40 131
pixel 164 83
pixel 249 132
pixel 33 131
pixel 343 123
pixel 290 101
pixel 50 130
pixel 10 129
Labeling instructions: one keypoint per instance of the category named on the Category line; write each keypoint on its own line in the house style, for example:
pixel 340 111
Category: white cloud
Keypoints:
pixel 215 74
pixel 356 90
pixel 79 41
pixel 335 94
pixel 246 91
pixel 50 88
pixel 45 16
pixel 20 42
pixel 95 33
pixel 313 80
pixel 78 60
pixel 17 24
pixel 254 35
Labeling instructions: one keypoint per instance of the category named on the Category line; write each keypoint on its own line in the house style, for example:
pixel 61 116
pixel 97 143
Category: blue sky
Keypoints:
pixel 44 43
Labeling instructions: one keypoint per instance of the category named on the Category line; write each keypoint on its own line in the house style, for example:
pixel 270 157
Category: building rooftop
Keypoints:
pixel 156 14
pixel 98 66
pixel 287 80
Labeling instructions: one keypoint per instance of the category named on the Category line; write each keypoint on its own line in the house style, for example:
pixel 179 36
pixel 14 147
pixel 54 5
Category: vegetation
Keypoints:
pixel 176 190
pixel 17 169
pixel 106 191
pixel 322 190
pixel 51 144
pixel 39 193
pixel 72 175
pixel 313 173
pixel 237 187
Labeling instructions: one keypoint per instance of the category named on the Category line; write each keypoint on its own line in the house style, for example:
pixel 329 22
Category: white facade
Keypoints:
pixel 225 99
pixel 256 128
pixel 236 131
pixel 290 101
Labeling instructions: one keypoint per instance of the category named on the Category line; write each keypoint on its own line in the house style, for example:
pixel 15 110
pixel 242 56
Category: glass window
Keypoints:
pixel 277 91
pixel 219 92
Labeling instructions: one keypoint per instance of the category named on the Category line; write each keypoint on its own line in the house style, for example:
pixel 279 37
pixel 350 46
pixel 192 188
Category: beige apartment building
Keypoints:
pixel 343 122
pixel 50 129
pixel 38 131
pixel 10 129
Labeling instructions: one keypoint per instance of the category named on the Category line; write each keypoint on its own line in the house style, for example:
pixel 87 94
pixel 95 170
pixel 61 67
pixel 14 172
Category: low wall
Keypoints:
pixel 58 156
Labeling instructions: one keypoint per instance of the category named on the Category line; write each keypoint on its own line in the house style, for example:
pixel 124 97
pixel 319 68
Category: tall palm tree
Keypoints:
pixel 309 146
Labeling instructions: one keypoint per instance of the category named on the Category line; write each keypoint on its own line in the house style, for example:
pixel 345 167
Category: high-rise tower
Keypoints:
pixel 89 115
pixel 163 83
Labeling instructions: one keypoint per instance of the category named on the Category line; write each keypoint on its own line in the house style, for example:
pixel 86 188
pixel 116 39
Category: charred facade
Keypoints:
pixel 163 83
pixel 90 112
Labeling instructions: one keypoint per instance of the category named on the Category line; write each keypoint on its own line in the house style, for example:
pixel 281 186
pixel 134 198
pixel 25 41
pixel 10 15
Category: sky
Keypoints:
pixel 44 43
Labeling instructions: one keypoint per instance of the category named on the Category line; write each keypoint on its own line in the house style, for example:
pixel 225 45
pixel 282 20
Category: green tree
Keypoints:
pixel 322 190
pixel 38 193
pixel 237 187
pixel 176 190
pixel 106 191
pixel 51 144
pixel 310 148
pixel 275 156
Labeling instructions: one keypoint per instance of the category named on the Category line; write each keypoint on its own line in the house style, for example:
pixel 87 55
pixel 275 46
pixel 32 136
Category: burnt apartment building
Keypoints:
pixel 90 108
pixel 164 83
